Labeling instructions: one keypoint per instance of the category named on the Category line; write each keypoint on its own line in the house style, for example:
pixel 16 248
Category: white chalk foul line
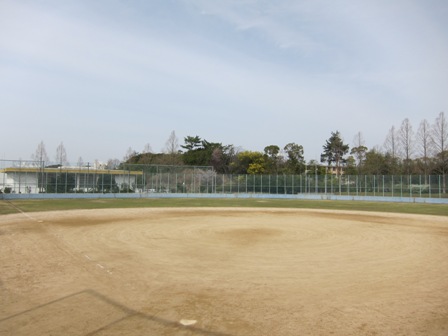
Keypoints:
pixel 24 213
pixel 41 221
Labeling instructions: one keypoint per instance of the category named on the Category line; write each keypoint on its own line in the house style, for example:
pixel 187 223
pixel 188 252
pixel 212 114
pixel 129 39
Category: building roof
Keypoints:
pixel 72 170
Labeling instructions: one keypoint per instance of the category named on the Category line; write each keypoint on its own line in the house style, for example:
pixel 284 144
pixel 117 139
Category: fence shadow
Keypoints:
pixel 89 313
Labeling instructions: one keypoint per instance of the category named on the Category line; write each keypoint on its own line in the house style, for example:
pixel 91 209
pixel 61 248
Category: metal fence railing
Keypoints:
pixel 33 177
pixel 358 185
pixel 83 180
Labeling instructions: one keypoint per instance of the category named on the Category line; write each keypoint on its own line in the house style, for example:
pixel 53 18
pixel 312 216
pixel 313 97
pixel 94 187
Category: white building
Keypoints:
pixel 66 180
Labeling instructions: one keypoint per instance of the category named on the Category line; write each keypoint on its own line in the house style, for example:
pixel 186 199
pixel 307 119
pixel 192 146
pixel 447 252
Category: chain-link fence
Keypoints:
pixel 372 185
pixel 30 177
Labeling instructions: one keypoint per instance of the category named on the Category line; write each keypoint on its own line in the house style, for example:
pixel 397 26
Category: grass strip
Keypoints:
pixel 8 207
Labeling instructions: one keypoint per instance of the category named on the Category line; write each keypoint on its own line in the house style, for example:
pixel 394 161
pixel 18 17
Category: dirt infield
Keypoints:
pixel 223 272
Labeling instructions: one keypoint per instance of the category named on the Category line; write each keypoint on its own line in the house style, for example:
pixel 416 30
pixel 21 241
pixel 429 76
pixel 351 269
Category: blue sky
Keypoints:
pixel 102 76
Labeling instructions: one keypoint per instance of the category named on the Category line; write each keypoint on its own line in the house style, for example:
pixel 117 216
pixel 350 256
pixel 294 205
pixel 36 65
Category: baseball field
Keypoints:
pixel 222 267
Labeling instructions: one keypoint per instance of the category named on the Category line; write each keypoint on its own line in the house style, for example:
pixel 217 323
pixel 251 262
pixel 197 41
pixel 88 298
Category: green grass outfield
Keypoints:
pixel 15 206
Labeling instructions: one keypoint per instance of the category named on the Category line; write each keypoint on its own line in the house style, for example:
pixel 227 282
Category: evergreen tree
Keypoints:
pixel 296 161
pixel 334 151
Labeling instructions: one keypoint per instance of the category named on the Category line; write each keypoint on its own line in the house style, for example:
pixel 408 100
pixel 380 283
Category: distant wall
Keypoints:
pixel 234 195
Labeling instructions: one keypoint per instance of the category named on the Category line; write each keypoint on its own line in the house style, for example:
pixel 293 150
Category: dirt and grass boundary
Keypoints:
pixel 15 206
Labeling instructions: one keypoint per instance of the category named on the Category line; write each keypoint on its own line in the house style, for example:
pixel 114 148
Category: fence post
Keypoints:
pixel 365 185
pixel 285 183
pixel 348 185
pixel 393 185
pixel 420 182
pixel 374 185
pixel 339 183
pixel 401 185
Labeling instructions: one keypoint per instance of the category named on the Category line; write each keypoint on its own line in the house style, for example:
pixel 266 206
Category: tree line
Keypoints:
pixel 404 152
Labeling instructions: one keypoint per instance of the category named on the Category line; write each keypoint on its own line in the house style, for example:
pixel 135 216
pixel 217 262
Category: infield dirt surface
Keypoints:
pixel 223 271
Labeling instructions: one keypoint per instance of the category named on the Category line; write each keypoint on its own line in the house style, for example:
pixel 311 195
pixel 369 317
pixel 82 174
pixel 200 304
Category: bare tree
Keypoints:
pixel 172 144
pixel 392 150
pixel 439 140
pixel 440 133
pixel 147 149
pixel 172 150
pixel 80 162
pixel 359 150
pixel 406 143
pixel 129 154
pixel 424 144
pixel 61 155
pixel 358 140
pixel 391 143
pixel 97 164
pixel 40 153
pixel 112 163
